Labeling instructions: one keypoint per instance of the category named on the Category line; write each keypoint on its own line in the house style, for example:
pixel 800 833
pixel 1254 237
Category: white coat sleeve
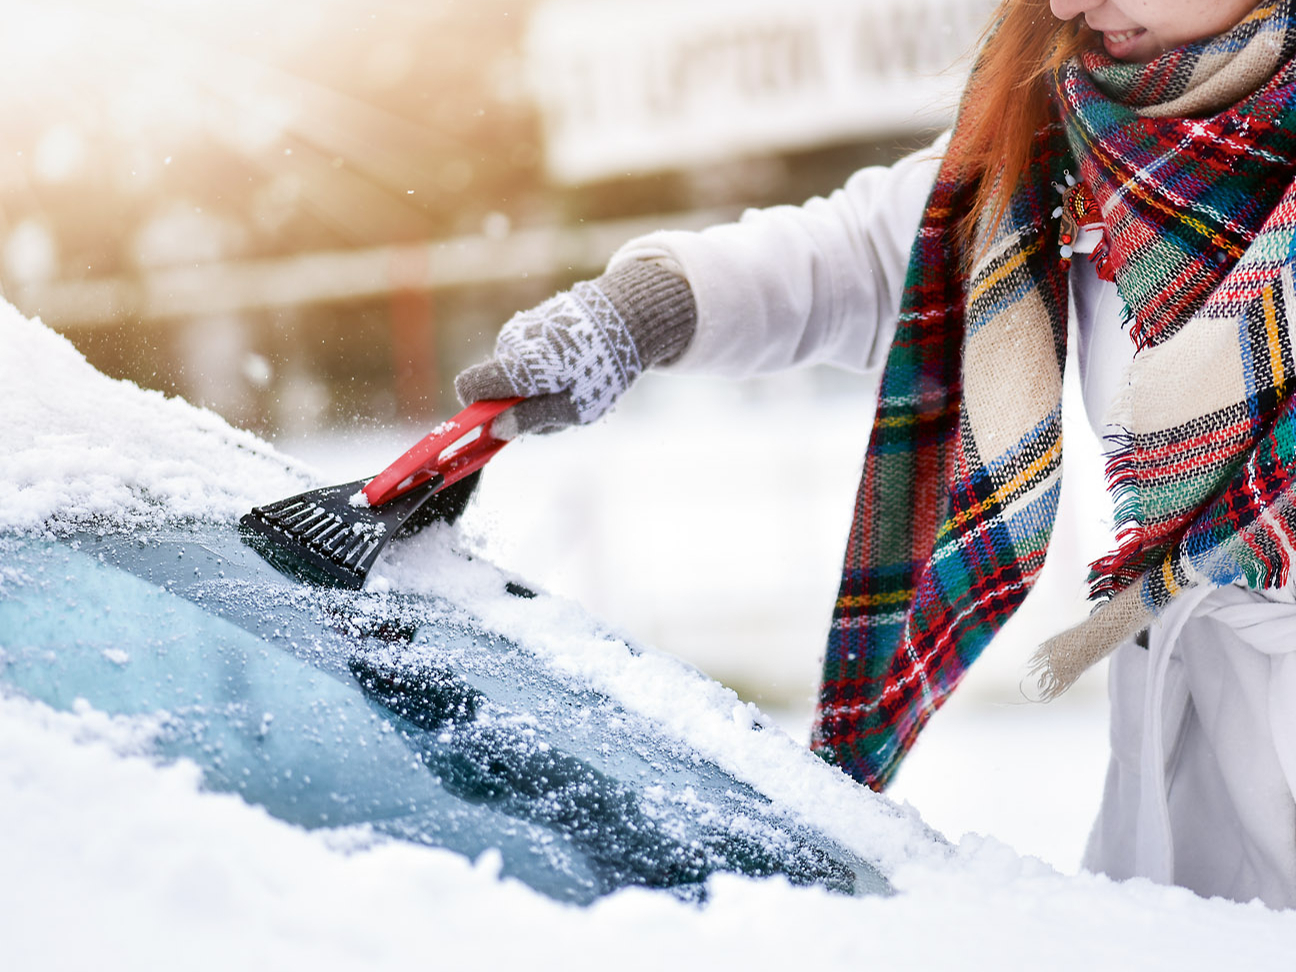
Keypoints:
pixel 799 285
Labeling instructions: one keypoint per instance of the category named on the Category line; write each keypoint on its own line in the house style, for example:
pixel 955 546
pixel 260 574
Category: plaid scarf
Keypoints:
pixel 1191 161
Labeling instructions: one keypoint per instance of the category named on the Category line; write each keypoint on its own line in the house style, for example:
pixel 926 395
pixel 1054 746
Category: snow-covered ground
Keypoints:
pixel 109 860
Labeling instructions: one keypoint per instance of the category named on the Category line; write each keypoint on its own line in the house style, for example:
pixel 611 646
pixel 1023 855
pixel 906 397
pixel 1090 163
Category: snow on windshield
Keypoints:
pixel 110 859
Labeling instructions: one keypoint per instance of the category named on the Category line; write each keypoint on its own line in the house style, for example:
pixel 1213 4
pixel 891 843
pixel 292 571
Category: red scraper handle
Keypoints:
pixel 442 452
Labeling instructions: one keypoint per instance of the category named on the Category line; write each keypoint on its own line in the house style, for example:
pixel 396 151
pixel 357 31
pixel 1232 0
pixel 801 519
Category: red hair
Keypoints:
pixel 1007 101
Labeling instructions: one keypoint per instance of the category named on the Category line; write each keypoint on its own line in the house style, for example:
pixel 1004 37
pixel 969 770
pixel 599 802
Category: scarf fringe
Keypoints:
pixel 1060 661
pixel 1116 579
pixel 1120 568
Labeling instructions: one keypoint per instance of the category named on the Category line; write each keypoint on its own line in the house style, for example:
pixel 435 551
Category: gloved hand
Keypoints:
pixel 573 356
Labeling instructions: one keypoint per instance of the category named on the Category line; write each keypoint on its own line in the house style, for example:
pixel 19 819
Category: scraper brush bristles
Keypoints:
pixel 322 536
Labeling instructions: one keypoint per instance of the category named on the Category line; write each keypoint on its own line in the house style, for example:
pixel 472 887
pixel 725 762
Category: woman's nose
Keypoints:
pixel 1066 9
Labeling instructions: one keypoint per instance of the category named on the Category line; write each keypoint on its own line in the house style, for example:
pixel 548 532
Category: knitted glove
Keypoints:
pixel 572 356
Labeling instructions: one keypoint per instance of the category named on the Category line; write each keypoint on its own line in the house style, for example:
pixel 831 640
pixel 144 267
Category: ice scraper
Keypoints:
pixel 333 535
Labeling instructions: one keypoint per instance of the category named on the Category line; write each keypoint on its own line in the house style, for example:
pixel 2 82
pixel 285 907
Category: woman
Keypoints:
pixel 1127 162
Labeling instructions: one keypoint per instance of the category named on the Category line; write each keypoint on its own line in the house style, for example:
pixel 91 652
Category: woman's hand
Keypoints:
pixel 573 356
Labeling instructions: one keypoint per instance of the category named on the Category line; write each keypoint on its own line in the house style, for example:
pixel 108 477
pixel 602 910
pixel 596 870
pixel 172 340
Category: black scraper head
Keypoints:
pixel 323 537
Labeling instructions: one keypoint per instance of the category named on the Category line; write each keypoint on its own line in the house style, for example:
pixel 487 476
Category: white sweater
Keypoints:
pixel 821 283
pixel 1203 770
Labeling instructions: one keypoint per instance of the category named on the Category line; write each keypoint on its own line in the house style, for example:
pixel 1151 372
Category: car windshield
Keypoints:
pixel 400 713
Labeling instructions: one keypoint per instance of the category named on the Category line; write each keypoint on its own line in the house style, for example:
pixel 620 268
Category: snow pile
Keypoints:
pixel 76 446
pixel 113 861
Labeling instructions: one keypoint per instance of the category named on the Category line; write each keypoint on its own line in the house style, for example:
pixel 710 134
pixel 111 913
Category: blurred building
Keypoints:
pixel 310 211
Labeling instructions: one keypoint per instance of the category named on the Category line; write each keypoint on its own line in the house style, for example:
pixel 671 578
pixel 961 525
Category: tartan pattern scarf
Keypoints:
pixel 1191 160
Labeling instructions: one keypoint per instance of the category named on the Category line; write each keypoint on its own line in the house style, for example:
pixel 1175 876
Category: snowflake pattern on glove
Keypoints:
pixel 574 342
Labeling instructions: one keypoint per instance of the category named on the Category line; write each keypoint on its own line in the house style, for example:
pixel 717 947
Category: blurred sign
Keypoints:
pixel 631 86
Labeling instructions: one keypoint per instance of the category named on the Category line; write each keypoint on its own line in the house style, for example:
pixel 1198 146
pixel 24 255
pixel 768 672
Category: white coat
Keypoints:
pixel 1203 767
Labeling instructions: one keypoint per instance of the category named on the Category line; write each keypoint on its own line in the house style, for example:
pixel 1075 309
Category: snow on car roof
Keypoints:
pixel 114 860
pixel 80 447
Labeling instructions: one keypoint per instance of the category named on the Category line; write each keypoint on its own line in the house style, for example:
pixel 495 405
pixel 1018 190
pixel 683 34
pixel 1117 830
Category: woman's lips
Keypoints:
pixel 1121 43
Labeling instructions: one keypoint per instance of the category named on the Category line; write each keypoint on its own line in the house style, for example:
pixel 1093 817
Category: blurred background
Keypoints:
pixel 306 212
pixel 309 215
